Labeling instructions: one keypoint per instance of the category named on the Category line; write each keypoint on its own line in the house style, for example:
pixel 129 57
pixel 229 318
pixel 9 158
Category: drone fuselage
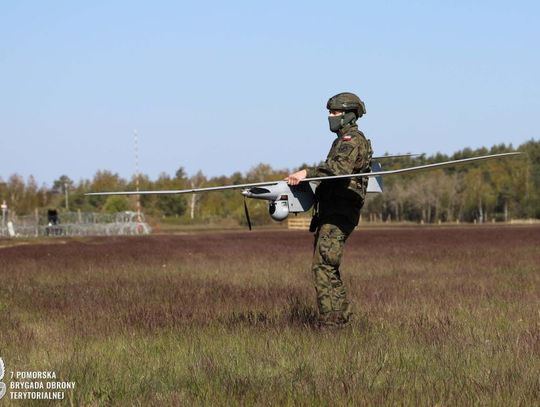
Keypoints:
pixel 285 199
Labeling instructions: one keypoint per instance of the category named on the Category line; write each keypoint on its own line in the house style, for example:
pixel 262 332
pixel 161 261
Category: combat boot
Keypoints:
pixel 333 320
pixel 344 321
pixel 326 320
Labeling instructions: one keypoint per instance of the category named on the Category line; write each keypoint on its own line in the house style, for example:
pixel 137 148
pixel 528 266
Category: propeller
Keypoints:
pixel 247 213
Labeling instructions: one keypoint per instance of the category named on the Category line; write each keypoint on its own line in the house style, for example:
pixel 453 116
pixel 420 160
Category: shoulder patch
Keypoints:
pixel 346 138
pixel 345 149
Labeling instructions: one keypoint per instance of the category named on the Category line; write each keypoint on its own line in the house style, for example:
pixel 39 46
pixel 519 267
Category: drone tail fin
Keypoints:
pixel 375 184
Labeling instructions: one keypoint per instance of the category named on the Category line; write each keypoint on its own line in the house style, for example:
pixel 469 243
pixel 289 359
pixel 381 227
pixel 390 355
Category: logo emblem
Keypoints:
pixel 2 385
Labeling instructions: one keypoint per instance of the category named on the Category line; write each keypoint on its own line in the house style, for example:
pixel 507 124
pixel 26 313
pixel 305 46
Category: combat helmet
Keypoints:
pixel 347 102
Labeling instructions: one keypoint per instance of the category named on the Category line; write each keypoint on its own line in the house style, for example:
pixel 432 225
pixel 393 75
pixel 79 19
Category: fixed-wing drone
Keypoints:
pixel 285 199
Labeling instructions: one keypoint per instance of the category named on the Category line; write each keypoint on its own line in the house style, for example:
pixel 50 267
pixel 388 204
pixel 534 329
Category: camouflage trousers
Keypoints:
pixel 331 295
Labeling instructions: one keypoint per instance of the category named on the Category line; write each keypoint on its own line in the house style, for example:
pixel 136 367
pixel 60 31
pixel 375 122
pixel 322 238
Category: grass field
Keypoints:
pixel 443 316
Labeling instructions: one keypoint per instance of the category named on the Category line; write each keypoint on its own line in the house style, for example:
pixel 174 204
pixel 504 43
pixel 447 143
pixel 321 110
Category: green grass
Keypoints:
pixel 443 317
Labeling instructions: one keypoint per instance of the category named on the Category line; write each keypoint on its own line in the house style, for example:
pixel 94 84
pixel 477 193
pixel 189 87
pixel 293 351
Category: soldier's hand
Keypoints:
pixel 295 178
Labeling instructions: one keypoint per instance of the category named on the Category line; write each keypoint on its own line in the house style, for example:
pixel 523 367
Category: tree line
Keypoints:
pixel 499 190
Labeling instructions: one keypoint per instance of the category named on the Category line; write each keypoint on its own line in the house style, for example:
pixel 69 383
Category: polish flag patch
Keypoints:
pixel 346 138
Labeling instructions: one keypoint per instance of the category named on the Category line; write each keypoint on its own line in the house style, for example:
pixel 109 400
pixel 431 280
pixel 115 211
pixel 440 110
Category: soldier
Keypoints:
pixel 338 204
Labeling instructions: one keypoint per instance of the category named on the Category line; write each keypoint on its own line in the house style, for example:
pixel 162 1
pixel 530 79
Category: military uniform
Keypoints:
pixel 337 213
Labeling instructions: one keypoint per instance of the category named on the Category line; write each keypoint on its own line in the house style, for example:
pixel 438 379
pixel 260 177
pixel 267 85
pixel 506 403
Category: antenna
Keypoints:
pixel 138 197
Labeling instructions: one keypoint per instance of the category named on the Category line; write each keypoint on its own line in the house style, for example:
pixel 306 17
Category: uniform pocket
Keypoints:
pixel 331 248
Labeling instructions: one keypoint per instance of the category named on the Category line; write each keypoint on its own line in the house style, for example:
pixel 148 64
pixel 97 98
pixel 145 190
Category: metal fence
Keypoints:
pixel 76 224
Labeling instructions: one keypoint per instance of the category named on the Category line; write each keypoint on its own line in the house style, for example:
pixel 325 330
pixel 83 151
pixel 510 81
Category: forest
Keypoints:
pixel 492 191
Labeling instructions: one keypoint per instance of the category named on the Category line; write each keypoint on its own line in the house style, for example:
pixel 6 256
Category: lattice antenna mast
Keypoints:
pixel 138 197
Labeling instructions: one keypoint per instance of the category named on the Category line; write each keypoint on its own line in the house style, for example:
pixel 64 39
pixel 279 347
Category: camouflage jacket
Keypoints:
pixel 350 153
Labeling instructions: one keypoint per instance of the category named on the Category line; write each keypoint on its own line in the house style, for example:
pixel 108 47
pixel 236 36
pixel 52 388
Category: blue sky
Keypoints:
pixel 223 86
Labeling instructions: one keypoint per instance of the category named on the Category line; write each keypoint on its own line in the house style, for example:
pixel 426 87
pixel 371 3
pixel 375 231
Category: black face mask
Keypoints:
pixel 338 122
pixel 335 123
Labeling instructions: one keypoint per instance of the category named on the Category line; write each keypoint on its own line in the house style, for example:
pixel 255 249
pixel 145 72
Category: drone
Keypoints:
pixel 285 199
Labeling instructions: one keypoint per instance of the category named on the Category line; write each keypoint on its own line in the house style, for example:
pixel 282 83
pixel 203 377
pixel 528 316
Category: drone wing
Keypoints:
pixel 383 157
pixel 260 184
pixel 186 191
pixel 413 169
